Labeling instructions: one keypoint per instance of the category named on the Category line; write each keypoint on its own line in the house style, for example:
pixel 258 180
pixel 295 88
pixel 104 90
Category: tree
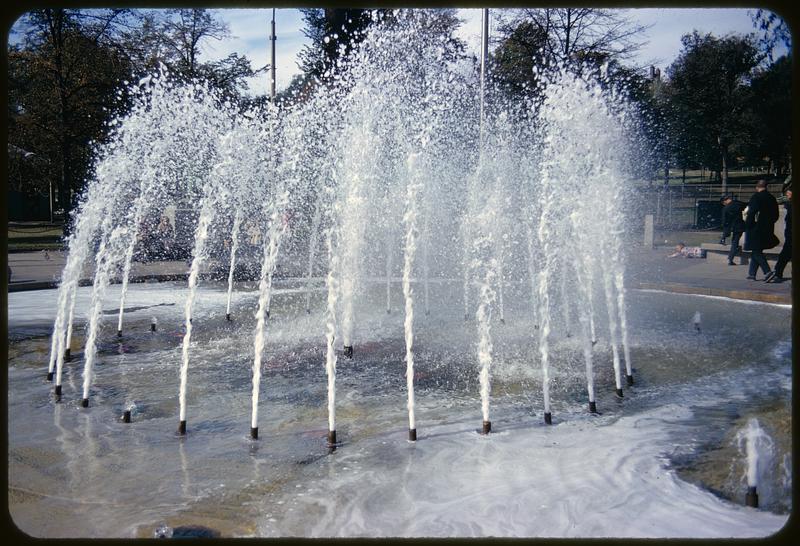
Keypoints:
pixel 771 104
pixel 333 34
pixel 177 37
pixel 710 92
pixel 184 31
pixel 62 88
pixel 537 38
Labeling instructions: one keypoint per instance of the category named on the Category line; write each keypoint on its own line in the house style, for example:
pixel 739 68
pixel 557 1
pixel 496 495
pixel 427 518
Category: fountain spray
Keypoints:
pixel 201 235
pixel 426 273
pixel 410 221
pixel 619 281
pixel 330 332
pixel 696 321
pixel 389 256
pixel 107 260
pixel 612 326
pixel 276 232
pixel 88 218
pixel 583 276
pixel 70 322
pixel 237 221
pixel 757 447
pixel 126 271
pixel 61 353
pixel 312 249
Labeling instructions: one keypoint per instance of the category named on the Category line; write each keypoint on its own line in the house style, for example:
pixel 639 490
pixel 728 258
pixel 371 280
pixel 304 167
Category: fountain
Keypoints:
pixel 350 169
pixel 756 446
pixel 382 167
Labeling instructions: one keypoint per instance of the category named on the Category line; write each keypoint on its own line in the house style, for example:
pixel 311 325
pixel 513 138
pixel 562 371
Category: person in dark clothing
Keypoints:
pixel 762 213
pixel 732 224
pixel 786 252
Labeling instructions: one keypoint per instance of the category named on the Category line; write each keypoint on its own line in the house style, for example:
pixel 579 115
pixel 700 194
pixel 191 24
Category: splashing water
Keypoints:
pixel 399 120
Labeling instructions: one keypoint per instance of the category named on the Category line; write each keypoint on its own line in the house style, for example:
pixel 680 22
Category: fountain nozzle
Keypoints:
pixel 751 498
pixel 49 376
pixel 119 333
pixel 228 317
pixel 348 351
pixel 412 435
pixel 58 391
pixel 126 416
pixel 502 320
pixel 619 393
pixel 67 356
pixel 548 418
pixel 594 342
pixel 153 324
pixel 331 438
pixel 254 433
pixel 592 407
pixel 182 428
pixel 629 379
pixel 85 403
pixel 487 427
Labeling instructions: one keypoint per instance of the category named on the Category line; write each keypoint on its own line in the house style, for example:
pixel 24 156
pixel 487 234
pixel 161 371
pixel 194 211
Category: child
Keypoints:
pixel 683 251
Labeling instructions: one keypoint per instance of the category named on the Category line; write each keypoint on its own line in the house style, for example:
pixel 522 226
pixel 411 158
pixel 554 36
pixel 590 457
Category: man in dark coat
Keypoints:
pixel 786 252
pixel 732 224
pixel 762 213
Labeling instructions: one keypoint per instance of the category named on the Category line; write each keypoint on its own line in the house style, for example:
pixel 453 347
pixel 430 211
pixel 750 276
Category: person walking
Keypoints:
pixel 786 252
pixel 762 213
pixel 732 224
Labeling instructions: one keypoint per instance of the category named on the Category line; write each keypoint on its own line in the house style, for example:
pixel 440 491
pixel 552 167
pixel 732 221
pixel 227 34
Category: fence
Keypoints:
pixel 686 206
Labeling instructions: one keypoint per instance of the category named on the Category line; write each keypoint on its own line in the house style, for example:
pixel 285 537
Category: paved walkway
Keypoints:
pixel 652 269
pixel 645 269
pixel 40 269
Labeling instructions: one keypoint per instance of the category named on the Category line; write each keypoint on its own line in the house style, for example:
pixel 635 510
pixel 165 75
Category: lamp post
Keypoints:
pixel 484 56
pixel 272 66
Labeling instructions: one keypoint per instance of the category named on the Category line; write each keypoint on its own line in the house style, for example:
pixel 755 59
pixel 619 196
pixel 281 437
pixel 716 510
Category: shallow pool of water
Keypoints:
pixel 657 463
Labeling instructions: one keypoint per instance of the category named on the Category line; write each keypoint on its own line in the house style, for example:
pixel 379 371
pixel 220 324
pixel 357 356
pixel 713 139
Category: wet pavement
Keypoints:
pixel 647 269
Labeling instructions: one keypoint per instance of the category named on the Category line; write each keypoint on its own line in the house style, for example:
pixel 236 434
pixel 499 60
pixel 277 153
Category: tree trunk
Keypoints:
pixel 724 172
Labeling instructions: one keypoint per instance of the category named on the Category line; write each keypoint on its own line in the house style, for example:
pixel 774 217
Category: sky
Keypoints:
pixel 250 30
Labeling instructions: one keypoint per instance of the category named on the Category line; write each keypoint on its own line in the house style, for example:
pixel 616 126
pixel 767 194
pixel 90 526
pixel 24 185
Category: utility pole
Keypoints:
pixel 484 56
pixel 272 65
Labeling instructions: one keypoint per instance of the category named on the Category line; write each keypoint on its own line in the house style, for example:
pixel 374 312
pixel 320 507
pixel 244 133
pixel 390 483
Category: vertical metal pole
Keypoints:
pixel 50 196
pixel 484 55
pixel 272 39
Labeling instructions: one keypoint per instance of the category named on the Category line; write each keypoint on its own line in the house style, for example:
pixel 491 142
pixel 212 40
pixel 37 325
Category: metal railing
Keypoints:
pixel 678 206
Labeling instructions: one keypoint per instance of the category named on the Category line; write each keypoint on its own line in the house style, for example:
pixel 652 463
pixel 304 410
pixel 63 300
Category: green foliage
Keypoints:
pixel 333 34
pixel 771 111
pixel 62 88
pixel 69 75
pixel 533 40
pixel 709 93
